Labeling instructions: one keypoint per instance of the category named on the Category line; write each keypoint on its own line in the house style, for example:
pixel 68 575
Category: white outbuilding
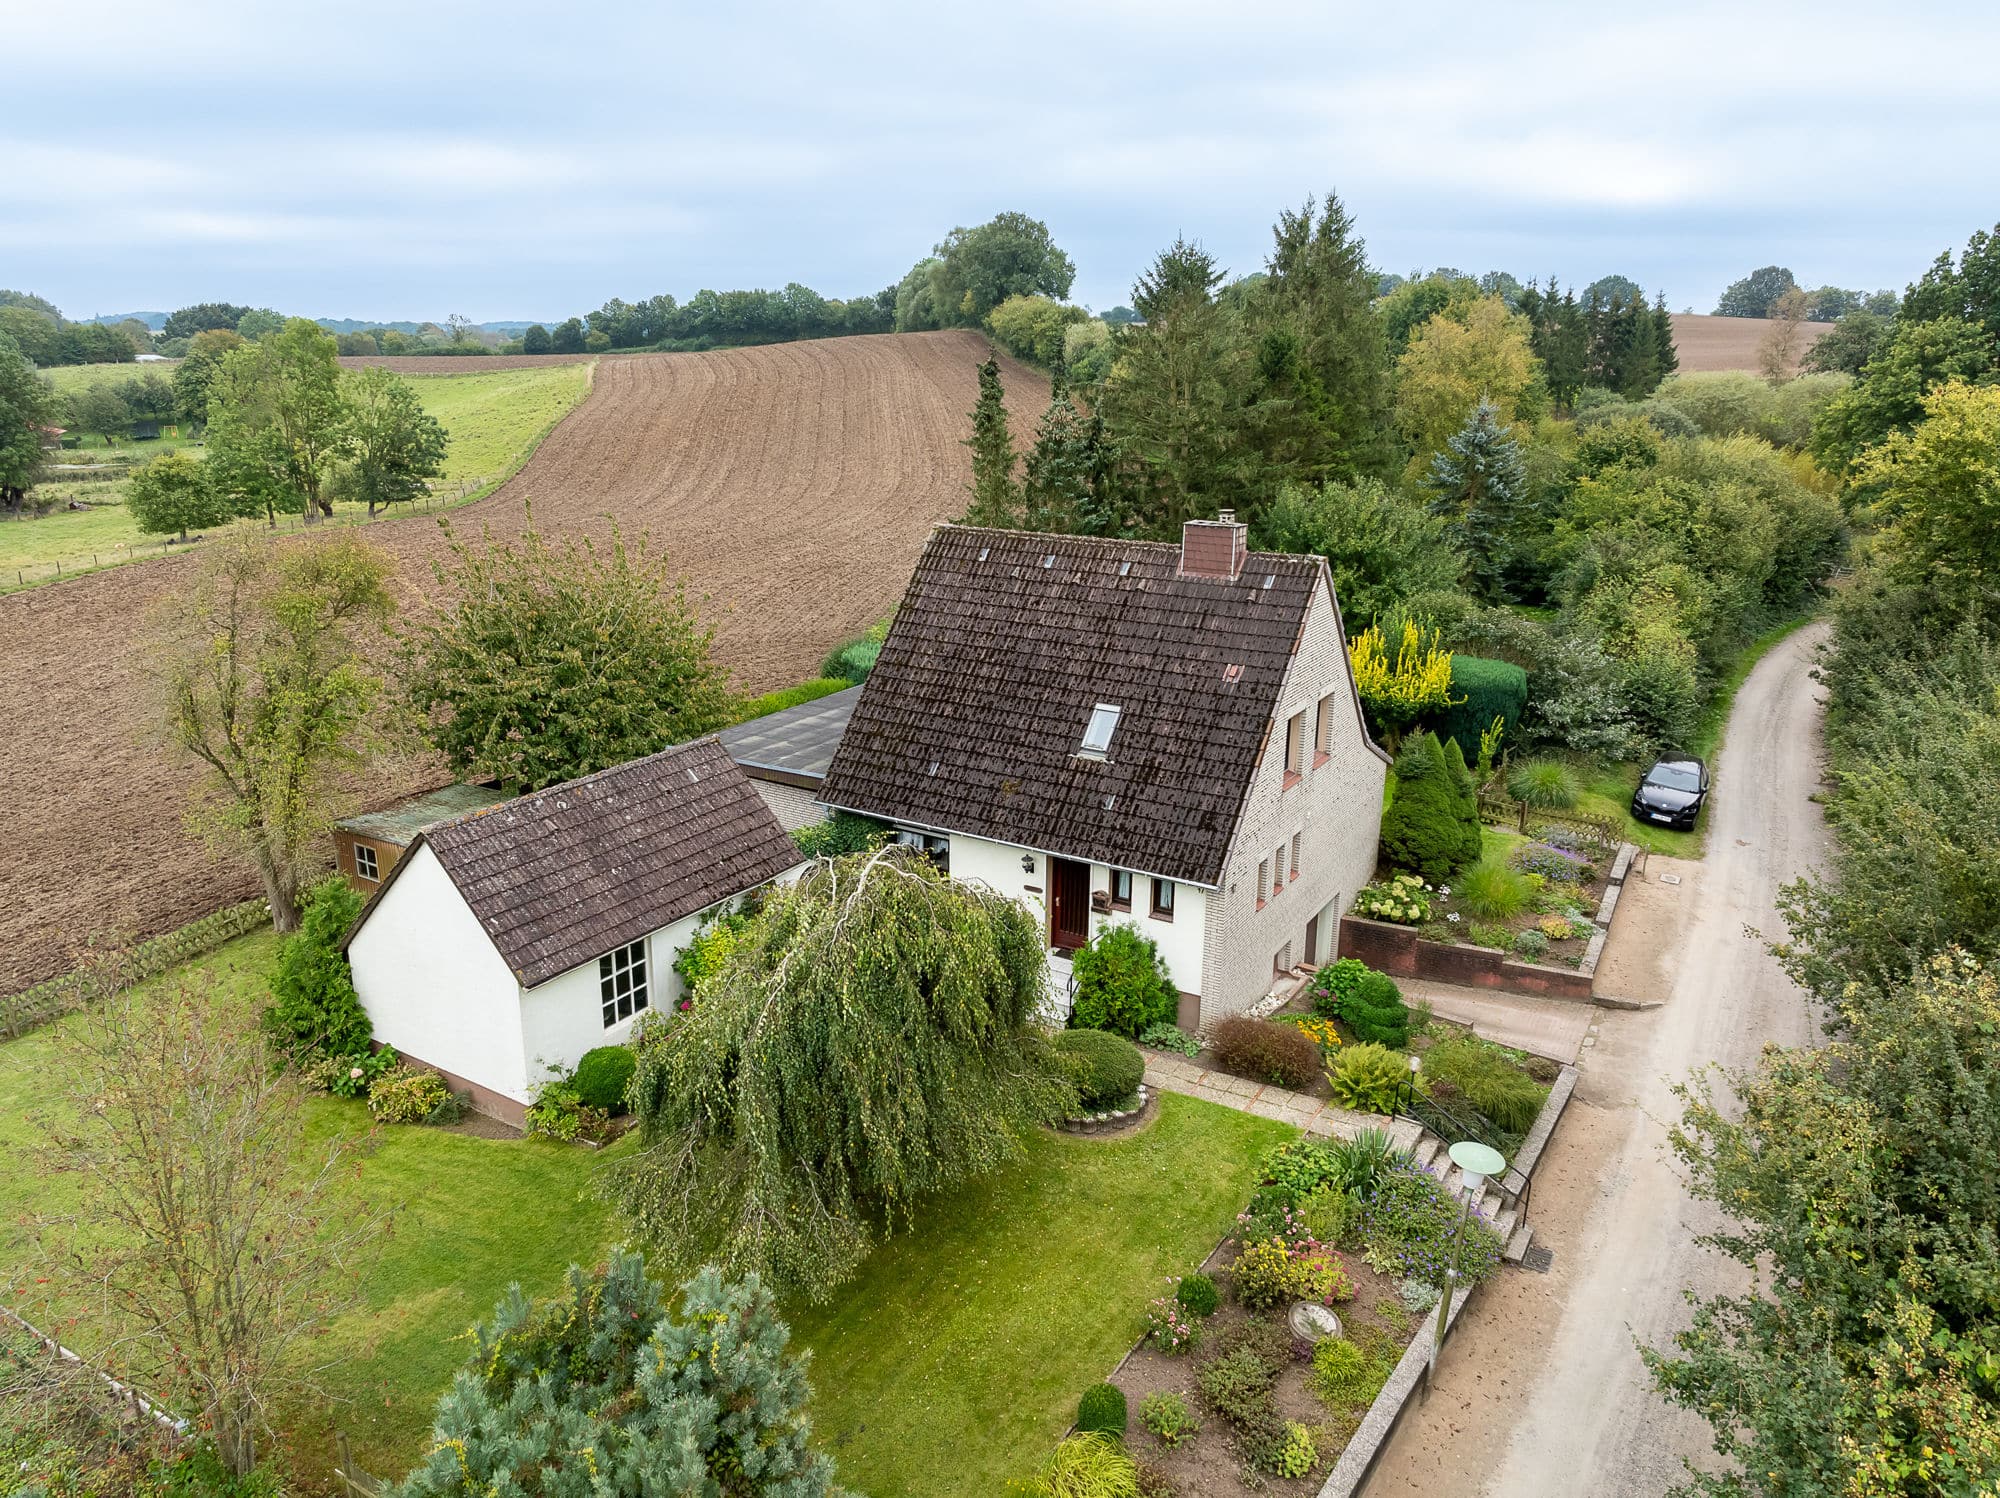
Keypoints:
pixel 510 941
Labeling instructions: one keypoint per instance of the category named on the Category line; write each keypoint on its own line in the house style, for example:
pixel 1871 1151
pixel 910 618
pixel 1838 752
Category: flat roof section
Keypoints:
pixel 400 823
pixel 794 745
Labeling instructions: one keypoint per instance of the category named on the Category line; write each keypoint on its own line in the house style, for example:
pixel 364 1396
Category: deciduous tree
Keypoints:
pixel 1380 546
pixel 27 404
pixel 279 420
pixel 267 690
pixel 172 493
pixel 867 1046
pixel 214 1231
pixel 1455 362
pixel 1778 350
pixel 977 269
pixel 1754 295
pixel 395 444
pixel 1939 488
pixel 553 662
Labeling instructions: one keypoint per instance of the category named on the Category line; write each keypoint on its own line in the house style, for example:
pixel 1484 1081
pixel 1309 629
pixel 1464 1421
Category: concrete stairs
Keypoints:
pixel 1493 1208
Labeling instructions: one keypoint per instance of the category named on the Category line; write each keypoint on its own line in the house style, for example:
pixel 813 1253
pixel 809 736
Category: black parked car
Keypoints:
pixel 1672 793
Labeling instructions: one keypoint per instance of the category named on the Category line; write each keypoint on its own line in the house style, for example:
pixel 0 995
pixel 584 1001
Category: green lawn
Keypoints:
pixel 69 378
pixel 495 421
pixel 952 1363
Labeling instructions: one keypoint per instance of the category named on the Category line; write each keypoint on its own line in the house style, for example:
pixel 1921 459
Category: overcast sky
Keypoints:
pixel 506 160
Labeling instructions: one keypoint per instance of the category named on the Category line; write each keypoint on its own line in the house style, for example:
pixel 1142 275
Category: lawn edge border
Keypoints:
pixel 1364 1447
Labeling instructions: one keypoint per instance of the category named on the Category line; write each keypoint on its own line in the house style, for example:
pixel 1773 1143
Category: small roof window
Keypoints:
pixel 1097 733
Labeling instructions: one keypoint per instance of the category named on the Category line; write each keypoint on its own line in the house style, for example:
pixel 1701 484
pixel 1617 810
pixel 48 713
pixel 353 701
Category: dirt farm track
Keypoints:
pixel 793 483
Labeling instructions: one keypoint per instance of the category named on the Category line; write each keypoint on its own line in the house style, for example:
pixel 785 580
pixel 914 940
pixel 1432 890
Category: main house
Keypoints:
pixel 513 939
pixel 1128 731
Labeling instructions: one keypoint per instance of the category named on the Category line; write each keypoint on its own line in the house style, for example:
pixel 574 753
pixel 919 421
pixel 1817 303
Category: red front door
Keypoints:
pixel 1069 903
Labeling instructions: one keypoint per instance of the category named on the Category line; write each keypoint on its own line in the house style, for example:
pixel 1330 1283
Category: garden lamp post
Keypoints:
pixel 1410 1087
pixel 1475 1161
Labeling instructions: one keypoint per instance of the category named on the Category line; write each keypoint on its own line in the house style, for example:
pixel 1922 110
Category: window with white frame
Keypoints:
pixel 1278 870
pixel 621 982
pixel 1323 729
pixel 365 865
pixel 1097 733
pixel 1263 881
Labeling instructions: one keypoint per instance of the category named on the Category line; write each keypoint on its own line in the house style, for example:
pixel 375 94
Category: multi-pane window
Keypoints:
pixel 365 864
pixel 1323 728
pixel 1121 889
pixel 1163 899
pixel 621 982
pixel 1295 745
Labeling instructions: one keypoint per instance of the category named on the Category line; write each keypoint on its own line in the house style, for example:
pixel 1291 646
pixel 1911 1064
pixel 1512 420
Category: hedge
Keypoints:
pixel 36 1006
pixel 1491 689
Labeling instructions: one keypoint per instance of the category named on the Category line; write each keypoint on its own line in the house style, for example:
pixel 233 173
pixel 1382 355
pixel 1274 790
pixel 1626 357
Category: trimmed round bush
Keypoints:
pixel 1197 1294
pixel 1122 984
pixel 1266 1052
pixel 1545 784
pixel 602 1076
pixel 1375 1010
pixel 1107 1068
pixel 1102 1408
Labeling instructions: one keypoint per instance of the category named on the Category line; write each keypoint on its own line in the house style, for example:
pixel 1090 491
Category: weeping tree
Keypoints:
pixel 600 1392
pixel 868 1044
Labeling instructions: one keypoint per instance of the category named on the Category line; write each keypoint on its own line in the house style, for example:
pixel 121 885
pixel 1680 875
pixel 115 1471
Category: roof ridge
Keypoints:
pixel 626 767
pixel 1111 542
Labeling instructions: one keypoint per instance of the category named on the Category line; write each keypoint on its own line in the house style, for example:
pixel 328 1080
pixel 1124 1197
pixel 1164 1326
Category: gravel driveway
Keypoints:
pixel 1542 1391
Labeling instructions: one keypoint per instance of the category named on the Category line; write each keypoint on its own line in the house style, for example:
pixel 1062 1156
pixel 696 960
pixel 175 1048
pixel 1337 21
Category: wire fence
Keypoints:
pixel 118 553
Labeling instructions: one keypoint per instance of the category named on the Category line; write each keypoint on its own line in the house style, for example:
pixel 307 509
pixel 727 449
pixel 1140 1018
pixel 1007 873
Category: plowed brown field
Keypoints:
pixel 1710 343
pixel 793 483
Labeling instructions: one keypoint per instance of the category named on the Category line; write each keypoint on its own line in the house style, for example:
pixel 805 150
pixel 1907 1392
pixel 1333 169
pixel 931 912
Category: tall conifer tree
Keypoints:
pixel 996 498
pixel 1479 485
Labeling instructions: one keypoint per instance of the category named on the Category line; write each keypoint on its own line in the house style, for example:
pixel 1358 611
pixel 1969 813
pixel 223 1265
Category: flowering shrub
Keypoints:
pixel 351 1076
pixel 1405 900
pixel 1169 1325
pixel 1272 1271
pixel 1557 865
pixel 1321 1030
pixel 1410 1227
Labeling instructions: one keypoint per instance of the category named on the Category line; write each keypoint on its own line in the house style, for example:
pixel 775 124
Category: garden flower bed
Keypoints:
pixel 1225 1395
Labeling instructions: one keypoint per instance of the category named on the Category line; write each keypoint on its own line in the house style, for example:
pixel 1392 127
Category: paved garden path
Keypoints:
pixel 1172 1073
pixel 1554 1028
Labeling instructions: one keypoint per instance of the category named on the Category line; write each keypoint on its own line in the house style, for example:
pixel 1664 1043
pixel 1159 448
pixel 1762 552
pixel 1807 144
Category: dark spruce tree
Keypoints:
pixel 996 498
pixel 1479 486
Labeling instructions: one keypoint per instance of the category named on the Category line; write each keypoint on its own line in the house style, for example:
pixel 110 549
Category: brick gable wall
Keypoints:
pixel 1335 809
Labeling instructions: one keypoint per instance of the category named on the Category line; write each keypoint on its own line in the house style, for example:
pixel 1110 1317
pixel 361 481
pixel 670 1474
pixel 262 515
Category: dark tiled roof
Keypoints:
pixel 794 744
pixel 399 823
pixel 571 872
pixel 972 717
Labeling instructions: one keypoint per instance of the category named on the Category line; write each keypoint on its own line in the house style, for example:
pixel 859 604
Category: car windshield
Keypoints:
pixel 1674 778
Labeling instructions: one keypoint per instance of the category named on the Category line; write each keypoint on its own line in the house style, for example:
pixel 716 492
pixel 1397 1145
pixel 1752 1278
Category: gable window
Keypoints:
pixel 1263 881
pixel 1097 733
pixel 1121 889
pixel 1323 732
pixel 621 982
pixel 1295 747
pixel 365 866
pixel 1163 899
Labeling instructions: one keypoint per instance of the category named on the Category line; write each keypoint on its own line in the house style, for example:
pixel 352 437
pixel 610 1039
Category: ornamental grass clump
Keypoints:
pixel 1493 891
pixel 1545 784
pixel 869 1045
pixel 1489 1079
pixel 1090 1464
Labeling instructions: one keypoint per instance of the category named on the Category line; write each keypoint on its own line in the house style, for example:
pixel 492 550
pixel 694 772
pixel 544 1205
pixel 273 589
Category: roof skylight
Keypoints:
pixel 1097 733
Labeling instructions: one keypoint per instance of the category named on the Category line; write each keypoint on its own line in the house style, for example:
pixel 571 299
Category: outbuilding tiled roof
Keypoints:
pixel 567 874
pixel 1003 646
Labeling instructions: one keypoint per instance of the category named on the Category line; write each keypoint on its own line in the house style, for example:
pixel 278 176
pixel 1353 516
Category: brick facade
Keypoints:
pixel 1333 807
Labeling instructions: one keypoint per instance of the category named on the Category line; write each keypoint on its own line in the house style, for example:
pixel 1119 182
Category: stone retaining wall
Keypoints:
pixel 1400 952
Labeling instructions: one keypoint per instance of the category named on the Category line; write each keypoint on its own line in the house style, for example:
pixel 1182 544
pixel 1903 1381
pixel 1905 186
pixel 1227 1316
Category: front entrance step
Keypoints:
pixel 1517 1245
